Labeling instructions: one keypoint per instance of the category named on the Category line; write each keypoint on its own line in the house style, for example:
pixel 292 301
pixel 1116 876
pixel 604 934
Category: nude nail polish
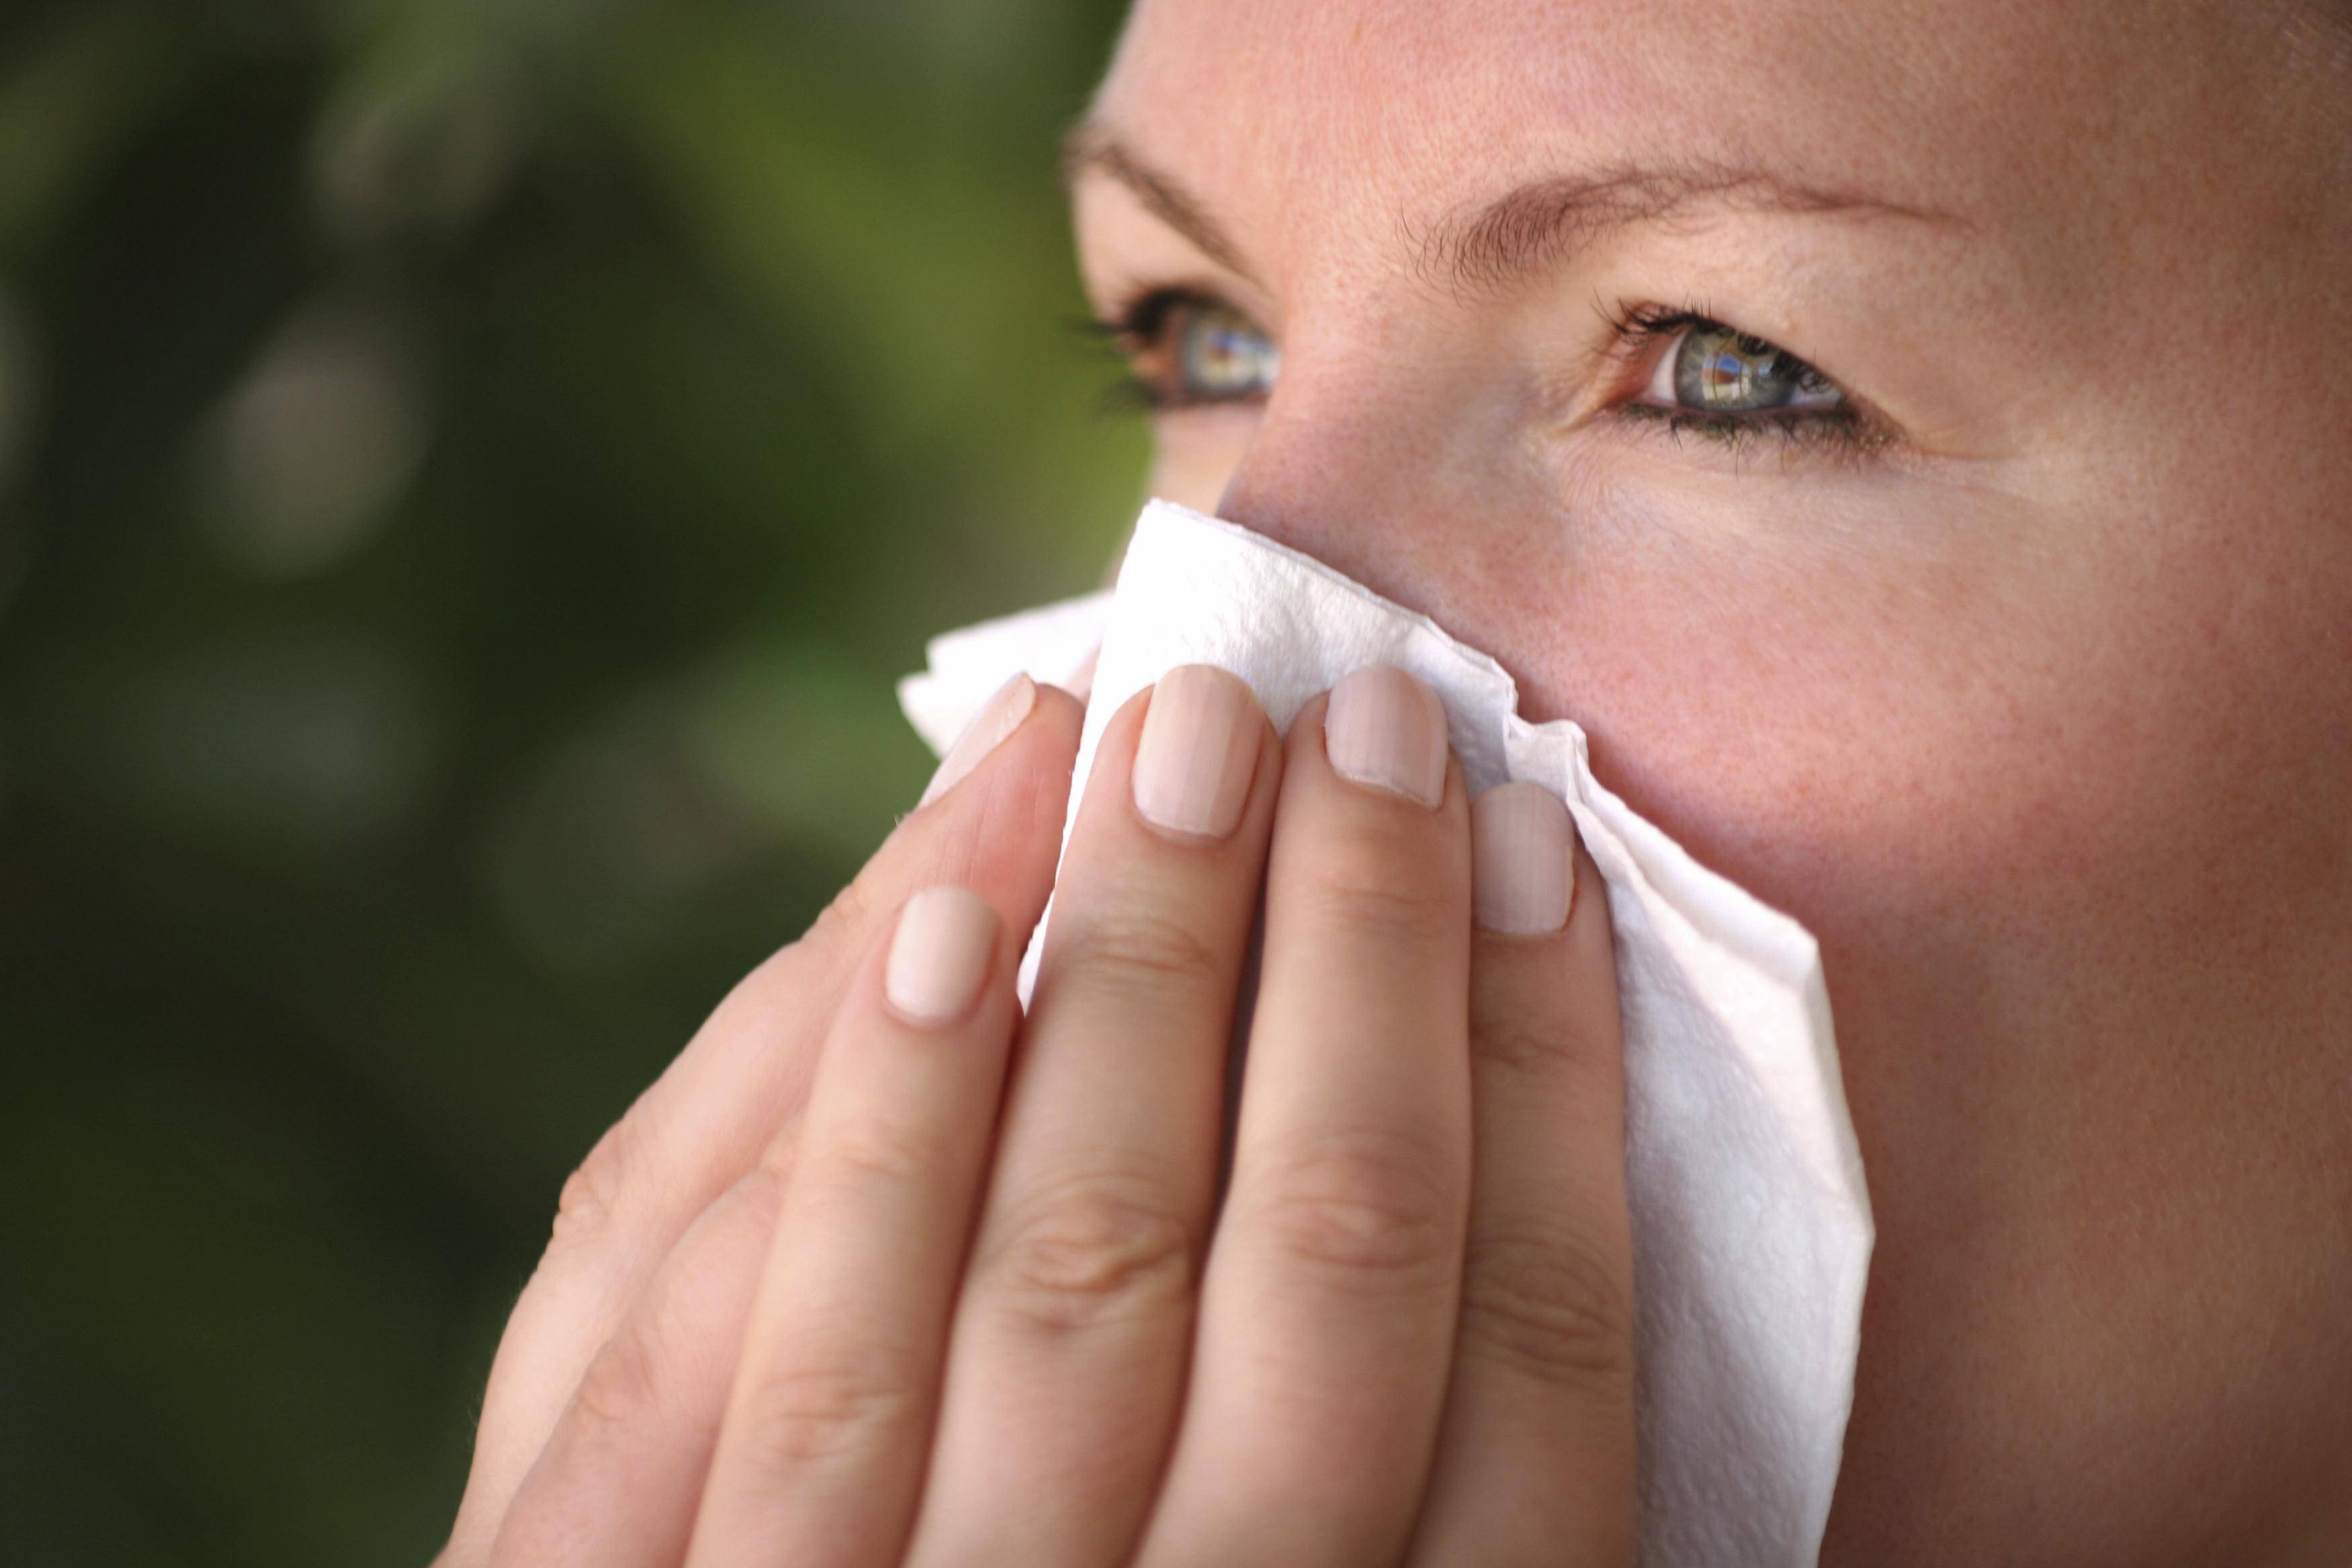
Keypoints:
pixel 1386 730
pixel 1198 751
pixel 998 718
pixel 939 954
pixel 1522 860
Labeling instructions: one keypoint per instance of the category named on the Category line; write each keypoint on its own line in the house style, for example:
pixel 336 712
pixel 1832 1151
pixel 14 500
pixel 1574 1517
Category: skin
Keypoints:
pixel 853 1284
pixel 2035 708
pixel 2040 715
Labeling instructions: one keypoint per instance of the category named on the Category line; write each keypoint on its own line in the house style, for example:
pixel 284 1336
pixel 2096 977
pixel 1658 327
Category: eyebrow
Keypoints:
pixel 1093 147
pixel 1530 227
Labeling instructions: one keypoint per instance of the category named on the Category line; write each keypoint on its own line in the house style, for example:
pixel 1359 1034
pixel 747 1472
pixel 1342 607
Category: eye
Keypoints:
pixel 1709 368
pixel 1696 377
pixel 1222 355
pixel 1187 349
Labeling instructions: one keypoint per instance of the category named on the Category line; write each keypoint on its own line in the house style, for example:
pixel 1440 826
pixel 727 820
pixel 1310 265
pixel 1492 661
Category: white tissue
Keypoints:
pixel 1751 1224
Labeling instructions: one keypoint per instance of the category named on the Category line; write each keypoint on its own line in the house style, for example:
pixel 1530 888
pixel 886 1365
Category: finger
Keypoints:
pixel 617 1483
pixel 1067 1362
pixel 1327 1316
pixel 827 1429
pixel 1535 1456
pixel 703 1124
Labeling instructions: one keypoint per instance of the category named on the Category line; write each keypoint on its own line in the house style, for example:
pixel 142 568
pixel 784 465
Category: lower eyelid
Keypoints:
pixel 1197 406
pixel 1833 432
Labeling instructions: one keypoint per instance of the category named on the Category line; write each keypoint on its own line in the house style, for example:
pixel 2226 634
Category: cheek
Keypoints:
pixel 2032 800
pixel 2066 822
pixel 1867 716
pixel 2035 798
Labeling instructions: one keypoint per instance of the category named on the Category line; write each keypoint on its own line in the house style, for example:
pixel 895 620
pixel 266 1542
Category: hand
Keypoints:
pixel 990 1323
pixel 668 1218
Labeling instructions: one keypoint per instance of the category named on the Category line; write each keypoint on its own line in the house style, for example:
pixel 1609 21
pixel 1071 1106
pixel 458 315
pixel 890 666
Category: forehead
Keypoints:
pixel 1376 116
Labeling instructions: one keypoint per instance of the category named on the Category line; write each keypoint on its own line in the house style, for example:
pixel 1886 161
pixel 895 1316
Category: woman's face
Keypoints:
pixel 2006 640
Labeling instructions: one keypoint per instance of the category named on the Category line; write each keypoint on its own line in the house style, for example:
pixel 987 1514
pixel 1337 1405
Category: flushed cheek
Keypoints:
pixel 2066 836
pixel 1960 763
pixel 1849 724
pixel 2001 784
pixel 2032 799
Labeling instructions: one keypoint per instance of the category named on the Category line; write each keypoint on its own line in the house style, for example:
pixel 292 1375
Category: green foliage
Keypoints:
pixel 470 472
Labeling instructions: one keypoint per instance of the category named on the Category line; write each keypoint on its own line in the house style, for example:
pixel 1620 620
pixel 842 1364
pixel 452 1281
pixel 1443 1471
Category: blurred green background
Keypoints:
pixel 470 472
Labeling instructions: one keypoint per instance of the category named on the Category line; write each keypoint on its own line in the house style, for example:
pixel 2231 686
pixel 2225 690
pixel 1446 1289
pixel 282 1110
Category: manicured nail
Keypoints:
pixel 1387 731
pixel 998 718
pixel 1522 860
pixel 939 954
pixel 1198 751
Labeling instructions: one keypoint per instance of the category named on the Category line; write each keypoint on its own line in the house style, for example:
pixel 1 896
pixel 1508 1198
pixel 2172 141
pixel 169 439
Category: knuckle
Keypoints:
pixel 668 1339
pixel 853 1400
pixel 588 1208
pixel 1552 1309
pixel 1537 1045
pixel 1387 884
pixel 1364 1208
pixel 878 1151
pixel 781 1154
pixel 624 1379
pixel 843 917
pixel 1515 1044
pixel 1093 1249
pixel 1140 952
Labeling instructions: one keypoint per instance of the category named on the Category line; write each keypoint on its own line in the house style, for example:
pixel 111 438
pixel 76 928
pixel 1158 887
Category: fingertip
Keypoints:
pixel 1064 711
pixel 1457 786
pixel 998 720
pixel 1308 737
pixel 1591 932
pixel 1589 890
pixel 995 827
pixel 1198 753
pixel 1025 720
pixel 942 949
pixel 1025 785
pixel 1523 861
pixel 1384 729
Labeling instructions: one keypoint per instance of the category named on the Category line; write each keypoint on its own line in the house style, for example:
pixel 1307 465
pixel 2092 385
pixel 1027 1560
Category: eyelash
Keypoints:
pixel 1635 331
pixel 1135 327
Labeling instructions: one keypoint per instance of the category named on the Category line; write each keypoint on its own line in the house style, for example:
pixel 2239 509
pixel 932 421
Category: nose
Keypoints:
pixel 1336 480
pixel 1417 488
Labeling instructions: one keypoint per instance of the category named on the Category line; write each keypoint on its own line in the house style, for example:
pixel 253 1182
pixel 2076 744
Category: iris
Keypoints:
pixel 1220 356
pixel 1715 370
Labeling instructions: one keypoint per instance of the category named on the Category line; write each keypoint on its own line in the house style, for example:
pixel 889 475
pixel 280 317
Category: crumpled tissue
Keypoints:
pixel 1751 1224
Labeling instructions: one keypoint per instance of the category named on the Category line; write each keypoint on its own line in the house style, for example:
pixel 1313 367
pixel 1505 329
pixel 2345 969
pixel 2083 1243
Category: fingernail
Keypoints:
pixel 999 717
pixel 1387 731
pixel 1198 751
pixel 1522 860
pixel 939 954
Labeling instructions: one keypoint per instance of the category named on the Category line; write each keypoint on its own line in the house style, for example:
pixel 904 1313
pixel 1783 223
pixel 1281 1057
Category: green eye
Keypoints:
pixel 1711 369
pixel 1218 355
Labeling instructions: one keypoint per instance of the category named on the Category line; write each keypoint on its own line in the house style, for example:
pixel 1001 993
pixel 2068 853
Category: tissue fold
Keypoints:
pixel 1751 1223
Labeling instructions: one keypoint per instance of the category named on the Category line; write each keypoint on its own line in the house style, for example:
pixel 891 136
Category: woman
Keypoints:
pixel 1912 438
